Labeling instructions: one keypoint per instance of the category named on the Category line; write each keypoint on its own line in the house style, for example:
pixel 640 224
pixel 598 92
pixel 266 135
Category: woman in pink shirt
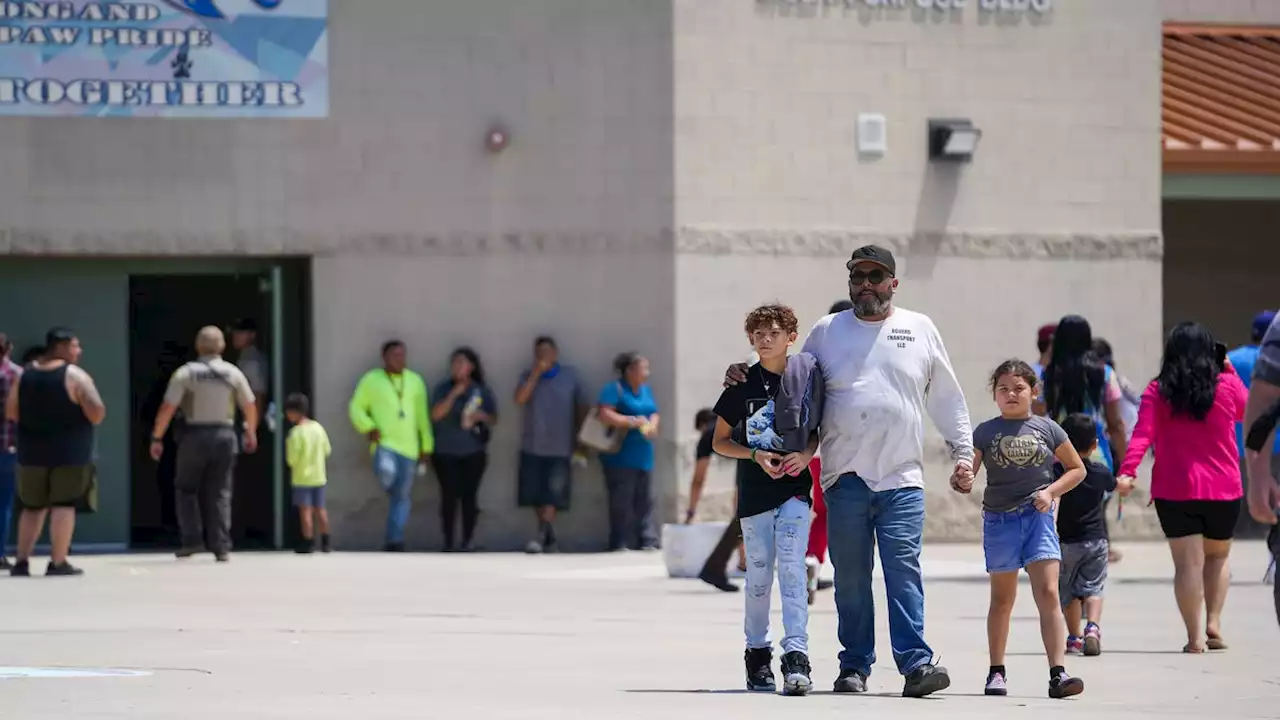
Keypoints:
pixel 1189 414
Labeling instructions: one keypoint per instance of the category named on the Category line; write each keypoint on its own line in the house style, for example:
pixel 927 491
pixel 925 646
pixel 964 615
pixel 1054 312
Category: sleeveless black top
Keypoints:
pixel 52 430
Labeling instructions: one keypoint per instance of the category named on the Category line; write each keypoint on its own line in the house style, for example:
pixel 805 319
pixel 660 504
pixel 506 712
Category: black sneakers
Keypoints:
pixel 1063 685
pixel 926 680
pixel 66 569
pixel 324 544
pixel 187 552
pixel 22 568
pixel 795 674
pixel 850 681
pixel 759 663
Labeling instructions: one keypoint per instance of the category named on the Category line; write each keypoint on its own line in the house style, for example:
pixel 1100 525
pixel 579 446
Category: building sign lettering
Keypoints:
pixel 169 58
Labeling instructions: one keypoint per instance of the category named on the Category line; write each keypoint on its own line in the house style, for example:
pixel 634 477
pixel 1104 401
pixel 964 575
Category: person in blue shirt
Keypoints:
pixel 1245 357
pixel 628 405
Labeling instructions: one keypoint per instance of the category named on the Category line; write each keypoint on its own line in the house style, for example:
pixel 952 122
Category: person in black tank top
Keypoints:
pixel 56 407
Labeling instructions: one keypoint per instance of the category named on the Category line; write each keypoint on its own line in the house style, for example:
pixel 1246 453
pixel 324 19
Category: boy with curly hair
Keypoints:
pixel 773 503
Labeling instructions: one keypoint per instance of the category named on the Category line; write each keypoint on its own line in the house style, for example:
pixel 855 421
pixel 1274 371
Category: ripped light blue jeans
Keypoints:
pixel 778 537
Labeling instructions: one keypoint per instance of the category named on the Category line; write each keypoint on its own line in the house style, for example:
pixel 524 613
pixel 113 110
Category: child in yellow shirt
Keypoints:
pixel 306 451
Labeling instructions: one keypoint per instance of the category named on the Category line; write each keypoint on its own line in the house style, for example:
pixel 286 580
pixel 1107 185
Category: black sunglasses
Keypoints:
pixel 876 276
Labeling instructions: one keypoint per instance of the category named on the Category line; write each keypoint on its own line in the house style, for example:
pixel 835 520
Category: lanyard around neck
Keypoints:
pixel 397 389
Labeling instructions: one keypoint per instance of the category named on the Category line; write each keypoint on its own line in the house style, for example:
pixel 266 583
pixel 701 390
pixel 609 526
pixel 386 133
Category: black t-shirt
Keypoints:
pixel 1081 515
pixel 748 407
pixel 704 444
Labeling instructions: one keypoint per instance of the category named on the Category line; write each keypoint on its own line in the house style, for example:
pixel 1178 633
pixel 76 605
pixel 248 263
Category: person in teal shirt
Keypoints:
pixel 389 407
pixel 628 404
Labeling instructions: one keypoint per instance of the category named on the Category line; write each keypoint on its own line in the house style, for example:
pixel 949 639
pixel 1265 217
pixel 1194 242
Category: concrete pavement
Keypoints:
pixel 510 636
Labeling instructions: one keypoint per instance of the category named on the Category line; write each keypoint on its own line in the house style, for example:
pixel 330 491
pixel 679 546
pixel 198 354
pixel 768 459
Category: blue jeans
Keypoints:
pixel 779 536
pixel 858 519
pixel 395 473
pixel 8 473
pixel 1015 539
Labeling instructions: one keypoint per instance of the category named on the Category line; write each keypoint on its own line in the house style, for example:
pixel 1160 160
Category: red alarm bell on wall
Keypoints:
pixel 496 139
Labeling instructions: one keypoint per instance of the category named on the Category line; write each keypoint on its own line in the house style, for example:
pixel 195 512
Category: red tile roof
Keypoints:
pixel 1221 99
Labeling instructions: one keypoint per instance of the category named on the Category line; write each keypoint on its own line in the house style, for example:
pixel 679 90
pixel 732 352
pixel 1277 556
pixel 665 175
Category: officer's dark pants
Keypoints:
pixel 205 476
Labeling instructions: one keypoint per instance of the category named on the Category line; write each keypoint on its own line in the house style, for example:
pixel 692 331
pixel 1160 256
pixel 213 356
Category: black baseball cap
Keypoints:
pixel 876 254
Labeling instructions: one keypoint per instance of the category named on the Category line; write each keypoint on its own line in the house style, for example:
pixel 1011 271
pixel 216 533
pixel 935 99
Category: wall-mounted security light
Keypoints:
pixel 953 140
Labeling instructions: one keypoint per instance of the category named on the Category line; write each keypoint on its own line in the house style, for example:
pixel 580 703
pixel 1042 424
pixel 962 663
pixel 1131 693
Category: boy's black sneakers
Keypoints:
pixel 795 674
pixel 305 546
pixel 66 569
pixel 759 670
pixel 850 681
pixel 926 680
pixel 324 544
pixel 21 568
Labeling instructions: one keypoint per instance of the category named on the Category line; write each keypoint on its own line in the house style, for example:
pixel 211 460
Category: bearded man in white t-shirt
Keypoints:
pixel 885 369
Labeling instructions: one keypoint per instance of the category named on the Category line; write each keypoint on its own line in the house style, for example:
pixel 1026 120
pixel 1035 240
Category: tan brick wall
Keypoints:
pixel 1234 12
pixel 1059 211
pixel 639 126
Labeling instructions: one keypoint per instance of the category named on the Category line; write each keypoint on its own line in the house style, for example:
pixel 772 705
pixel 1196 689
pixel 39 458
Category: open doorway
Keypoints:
pixel 165 312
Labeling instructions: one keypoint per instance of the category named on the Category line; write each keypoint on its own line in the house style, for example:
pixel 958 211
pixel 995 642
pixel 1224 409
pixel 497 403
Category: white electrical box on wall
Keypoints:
pixel 872 134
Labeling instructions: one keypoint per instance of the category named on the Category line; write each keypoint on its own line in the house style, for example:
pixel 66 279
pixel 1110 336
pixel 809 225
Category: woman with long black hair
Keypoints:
pixel 1189 413
pixel 1076 381
pixel 464 415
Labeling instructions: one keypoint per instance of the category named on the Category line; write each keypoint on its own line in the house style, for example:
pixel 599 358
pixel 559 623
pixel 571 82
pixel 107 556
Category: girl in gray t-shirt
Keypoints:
pixel 1018 450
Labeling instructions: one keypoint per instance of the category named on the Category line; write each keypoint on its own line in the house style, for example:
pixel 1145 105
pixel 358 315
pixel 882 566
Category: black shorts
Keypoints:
pixel 1214 519
pixel 544 481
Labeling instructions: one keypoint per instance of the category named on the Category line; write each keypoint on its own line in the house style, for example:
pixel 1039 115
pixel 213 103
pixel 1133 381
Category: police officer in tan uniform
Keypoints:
pixel 208 390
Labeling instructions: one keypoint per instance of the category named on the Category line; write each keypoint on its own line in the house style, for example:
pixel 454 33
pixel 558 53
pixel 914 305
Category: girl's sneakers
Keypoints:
pixel 1092 640
pixel 996 684
pixel 1075 645
pixel 1063 685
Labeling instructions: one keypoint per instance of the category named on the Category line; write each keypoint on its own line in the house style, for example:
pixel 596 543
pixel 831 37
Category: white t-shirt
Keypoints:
pixel 882 378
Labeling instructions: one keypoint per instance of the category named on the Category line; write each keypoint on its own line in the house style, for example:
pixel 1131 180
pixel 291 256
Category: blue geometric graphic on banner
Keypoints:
pixel 247 33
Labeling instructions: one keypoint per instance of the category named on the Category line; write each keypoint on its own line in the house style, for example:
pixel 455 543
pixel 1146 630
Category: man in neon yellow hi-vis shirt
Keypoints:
pixel 390 408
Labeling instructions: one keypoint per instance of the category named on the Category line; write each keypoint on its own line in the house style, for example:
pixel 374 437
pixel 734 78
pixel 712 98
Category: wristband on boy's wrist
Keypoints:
pixel 753 454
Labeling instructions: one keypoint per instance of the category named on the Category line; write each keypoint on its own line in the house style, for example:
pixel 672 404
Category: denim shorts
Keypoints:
pixel 1013 540
pixel 308 496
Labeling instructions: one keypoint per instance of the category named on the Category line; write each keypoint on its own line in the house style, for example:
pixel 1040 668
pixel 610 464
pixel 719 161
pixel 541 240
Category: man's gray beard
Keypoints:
pixel 871 306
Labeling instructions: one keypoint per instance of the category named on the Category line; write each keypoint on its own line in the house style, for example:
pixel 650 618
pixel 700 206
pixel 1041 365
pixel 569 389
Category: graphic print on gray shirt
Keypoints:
pixel 1018 456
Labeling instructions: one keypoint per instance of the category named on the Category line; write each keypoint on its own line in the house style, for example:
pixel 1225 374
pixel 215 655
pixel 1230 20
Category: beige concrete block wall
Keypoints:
pixel 1234 12
pixel 1058 212
pixel 565 233
pixel 417 231
pixel 594 303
